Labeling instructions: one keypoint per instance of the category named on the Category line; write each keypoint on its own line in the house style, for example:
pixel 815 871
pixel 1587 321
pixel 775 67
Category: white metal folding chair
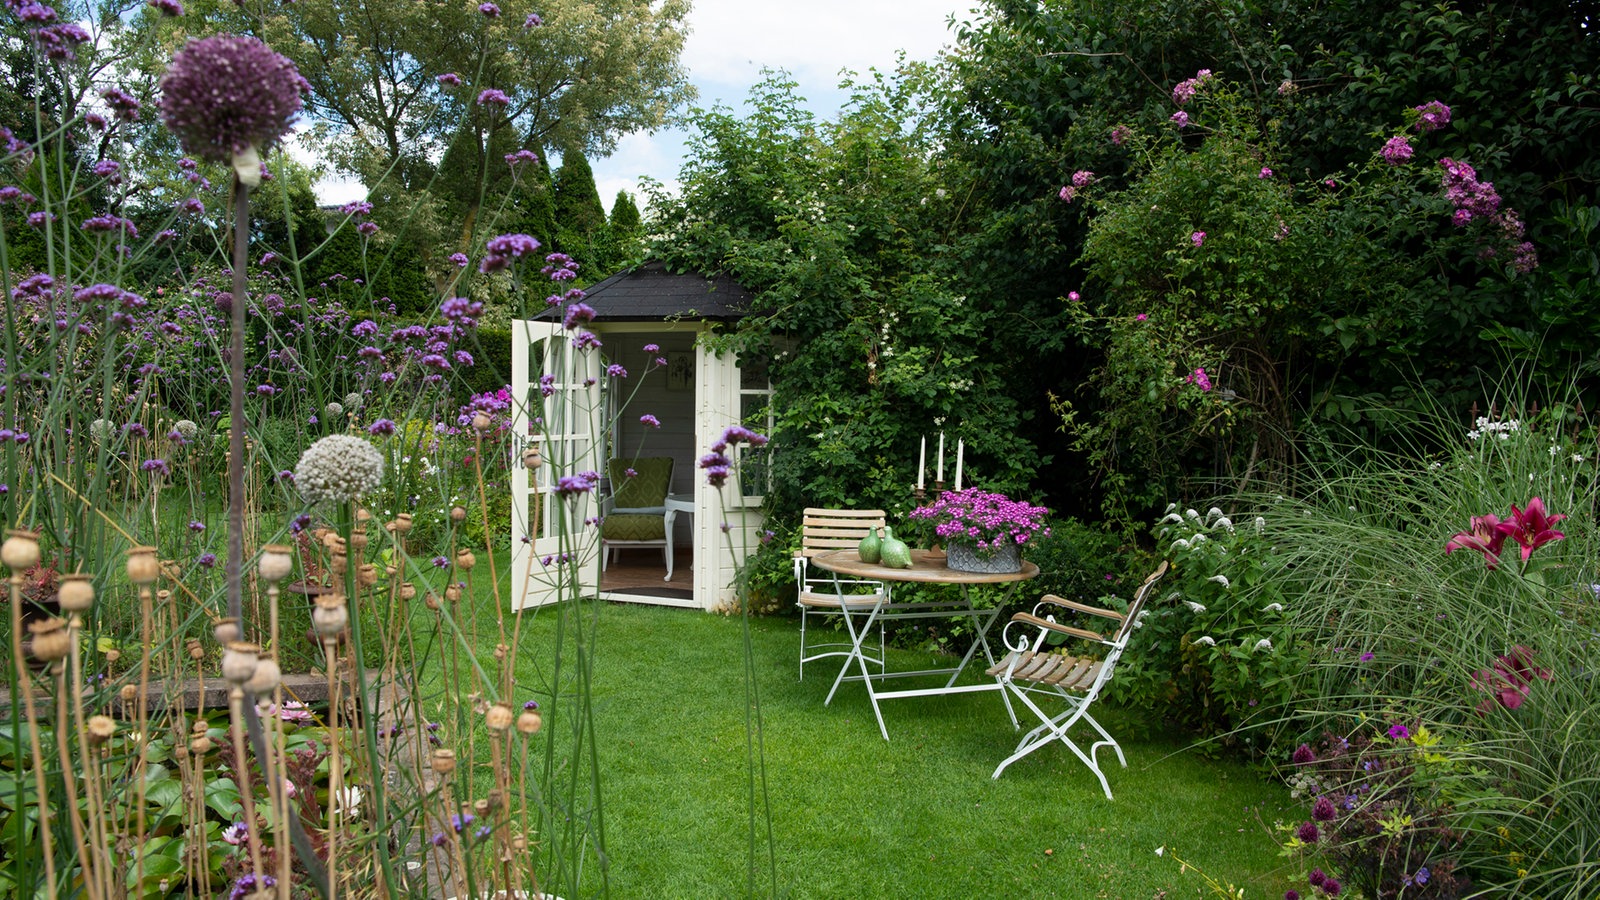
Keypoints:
pixel 1032 667
pixel 824 531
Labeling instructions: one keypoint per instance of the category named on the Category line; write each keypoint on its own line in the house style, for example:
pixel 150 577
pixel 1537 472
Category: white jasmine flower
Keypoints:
pixel 1207 641
pixel 338 467
pixel 1264 644
pixel 1220 579
pixel 1194 607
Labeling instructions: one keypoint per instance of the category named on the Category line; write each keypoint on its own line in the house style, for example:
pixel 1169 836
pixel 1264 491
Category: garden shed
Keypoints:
pixel 657 326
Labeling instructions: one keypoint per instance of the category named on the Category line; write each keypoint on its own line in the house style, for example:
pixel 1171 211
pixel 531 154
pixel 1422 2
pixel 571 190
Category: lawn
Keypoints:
pixel 853 815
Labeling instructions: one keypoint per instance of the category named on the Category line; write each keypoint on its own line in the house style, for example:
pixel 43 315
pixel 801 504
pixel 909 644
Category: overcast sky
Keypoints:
pixel 731 41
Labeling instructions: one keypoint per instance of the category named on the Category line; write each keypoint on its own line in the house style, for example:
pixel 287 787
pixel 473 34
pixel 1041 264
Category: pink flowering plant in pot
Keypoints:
pixel 986 522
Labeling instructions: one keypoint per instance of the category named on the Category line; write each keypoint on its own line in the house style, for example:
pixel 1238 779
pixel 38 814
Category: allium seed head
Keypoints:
pixel 338 467
pixel 226 97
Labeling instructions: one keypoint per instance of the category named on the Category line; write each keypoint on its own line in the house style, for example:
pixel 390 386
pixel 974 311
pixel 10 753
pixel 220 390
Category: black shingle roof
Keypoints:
pixel 650 293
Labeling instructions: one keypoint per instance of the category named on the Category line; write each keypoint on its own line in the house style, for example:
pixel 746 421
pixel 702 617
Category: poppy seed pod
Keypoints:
pixel 338 563
pixel 20 550
pixel 465 559
pixel 196 652
pixel 363 515
pixel 129 693
pixel 76 593
pixel 498 718
pixel 265 678
pixel 367 575
pixel 529 722
pixel 431 601
pixel 329 616
pixel 458 514
pixel 51 640
pixel 201 743
pixel 481 421
pixel 359 539
pixel 239 662
pixel 443 761
pixel 408 591
pixel 453 593
pixel 143 567
pixel 113 655
pixel 402 523
pixel 531 458
pixel 277 561
pixel 99 729
pixel 226 630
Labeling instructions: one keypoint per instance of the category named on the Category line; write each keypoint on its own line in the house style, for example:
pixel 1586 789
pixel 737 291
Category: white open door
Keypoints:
pixel 554 389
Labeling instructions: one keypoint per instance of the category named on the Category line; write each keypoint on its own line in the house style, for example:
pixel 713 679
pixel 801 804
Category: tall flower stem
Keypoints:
pixel 25 687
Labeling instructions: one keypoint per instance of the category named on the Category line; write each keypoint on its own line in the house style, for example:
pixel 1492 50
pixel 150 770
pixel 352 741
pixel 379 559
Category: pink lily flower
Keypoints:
pixel 1486 537
pixel 1531 527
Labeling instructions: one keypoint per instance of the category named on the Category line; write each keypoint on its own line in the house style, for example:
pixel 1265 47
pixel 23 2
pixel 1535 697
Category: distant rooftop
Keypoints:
pixel 649 293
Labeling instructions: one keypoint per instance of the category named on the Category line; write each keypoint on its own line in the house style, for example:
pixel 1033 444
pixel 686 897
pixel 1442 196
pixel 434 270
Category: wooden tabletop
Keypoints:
pixel 926 567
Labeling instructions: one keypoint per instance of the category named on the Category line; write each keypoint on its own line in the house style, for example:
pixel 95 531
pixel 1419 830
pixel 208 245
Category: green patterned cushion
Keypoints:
pixel 647 487
pixel 630 527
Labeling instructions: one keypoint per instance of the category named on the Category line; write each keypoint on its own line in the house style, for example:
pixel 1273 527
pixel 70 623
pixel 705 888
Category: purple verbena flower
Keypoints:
pixel 449 79
pixel 493 97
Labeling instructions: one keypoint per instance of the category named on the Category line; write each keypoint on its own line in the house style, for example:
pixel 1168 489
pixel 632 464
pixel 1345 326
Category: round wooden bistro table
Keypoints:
pixel 927 567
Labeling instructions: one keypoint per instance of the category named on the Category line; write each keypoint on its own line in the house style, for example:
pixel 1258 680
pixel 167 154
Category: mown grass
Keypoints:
pixel 853 815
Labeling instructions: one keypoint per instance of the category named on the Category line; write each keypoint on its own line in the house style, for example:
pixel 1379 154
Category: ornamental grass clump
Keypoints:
pixel 1497 656
pixel 983 520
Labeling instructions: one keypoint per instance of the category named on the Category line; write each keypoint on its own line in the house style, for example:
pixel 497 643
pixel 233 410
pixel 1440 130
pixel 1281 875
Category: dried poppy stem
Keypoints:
pixel 64 753
pixel 25 684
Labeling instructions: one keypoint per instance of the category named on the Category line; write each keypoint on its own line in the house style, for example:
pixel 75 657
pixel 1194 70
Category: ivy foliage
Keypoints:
pixel 842 231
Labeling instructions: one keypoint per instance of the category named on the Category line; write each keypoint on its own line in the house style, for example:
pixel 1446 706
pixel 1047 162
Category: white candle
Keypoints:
pixel 938 474
pixel 961 451
pixel 922 462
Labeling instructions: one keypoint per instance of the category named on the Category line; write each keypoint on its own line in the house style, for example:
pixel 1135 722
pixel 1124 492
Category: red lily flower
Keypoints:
pixel 1486 537
pixel 1531 527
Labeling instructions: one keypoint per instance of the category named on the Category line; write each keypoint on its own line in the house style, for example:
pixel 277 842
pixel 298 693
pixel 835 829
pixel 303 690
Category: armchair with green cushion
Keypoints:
pixel 635 513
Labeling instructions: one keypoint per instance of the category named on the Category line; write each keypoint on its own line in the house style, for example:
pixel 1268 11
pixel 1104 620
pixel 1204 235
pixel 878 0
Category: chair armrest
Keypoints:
pixel 638 510
pixel 1057 627
pixel 1053 600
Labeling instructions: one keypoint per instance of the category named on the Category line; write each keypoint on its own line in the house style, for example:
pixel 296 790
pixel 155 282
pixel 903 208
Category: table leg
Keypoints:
pixel 671 519
pixel 856 637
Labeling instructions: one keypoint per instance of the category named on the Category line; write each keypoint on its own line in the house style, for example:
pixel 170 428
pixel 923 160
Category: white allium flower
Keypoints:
pixel 1220 579
pixel 1264 644
pixel 353 400
pixel 1207 641
pixel 100 429
pixel 1194 607
pixel 186 429
pixel 1272 607
pixel 338 467
pixel 334 409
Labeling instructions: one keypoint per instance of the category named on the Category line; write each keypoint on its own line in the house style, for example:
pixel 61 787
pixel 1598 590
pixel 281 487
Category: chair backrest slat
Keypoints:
pixel 827 530
pixel 1140 597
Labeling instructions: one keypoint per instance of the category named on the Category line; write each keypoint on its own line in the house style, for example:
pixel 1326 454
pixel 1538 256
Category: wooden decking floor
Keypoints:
pixel 644 569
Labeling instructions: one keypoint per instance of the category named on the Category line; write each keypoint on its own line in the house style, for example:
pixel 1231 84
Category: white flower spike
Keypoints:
pixel 1220 579
pixel 1263 644
pixel 1194 607
pixel 1207 641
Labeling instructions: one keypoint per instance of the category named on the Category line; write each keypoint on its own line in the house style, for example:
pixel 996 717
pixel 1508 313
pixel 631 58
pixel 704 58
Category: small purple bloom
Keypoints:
pixel 493 97
pixel 206 560
pixel 1432 116
pixel 382 426
pixel 1197 238
pixel 489 10
pixel 368 229
pixel 650 421
pixel 1303 755
pixel 1367 656
pixel 532 21
pixel 616 371
pixel 158 466
pixel 460 259
pixel 1399 732
pixel 449 79
pixel 167 7
pixel 1181 118
pixel 441 562
pixel 197 526
pixel 1323 810
pixel 1396 150
pixel 1265 172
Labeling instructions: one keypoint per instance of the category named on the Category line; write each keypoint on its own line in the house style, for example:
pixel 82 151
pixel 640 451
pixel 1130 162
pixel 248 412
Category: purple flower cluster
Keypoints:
pixel 225 94
pixel 1185 90
pixel 716 463
pixel 58 41
pixel 500 251
pixel 1396 150
pixel 986 521
pixel 1431 116
pixel 1474 199
pixel 581 483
